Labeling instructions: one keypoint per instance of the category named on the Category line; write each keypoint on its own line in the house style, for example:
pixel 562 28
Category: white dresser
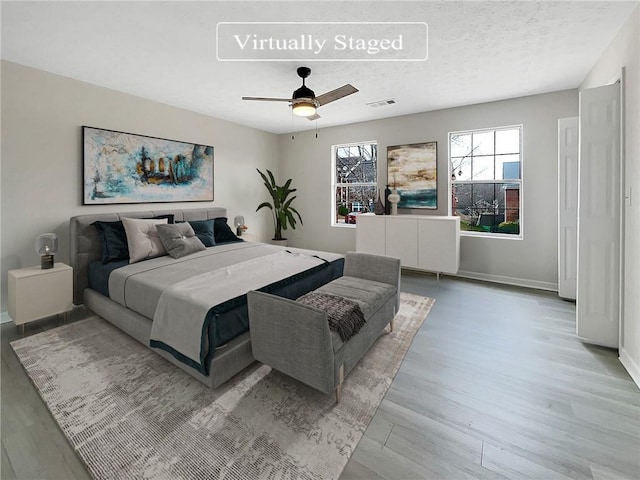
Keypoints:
pixel 423 242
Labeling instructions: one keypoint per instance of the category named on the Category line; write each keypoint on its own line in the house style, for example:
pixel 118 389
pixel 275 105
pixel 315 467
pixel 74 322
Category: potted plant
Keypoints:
pixel 281 209
pixel 342 210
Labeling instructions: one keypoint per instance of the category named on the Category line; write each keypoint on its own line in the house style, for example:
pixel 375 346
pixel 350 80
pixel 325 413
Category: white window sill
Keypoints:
pixel 344 225
pixel 499 236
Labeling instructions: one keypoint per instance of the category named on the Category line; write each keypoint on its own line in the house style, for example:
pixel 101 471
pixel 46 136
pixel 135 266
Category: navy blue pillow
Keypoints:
pixel 204 231
pixel 222 232
pixel 114 239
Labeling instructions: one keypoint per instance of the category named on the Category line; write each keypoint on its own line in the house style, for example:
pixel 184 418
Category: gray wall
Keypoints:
pixel 42 166
pixel 624 51
pixel 531 261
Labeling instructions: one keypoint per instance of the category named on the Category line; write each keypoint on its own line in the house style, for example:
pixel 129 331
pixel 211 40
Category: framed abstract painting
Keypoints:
pixel 123 167
pixel 412 171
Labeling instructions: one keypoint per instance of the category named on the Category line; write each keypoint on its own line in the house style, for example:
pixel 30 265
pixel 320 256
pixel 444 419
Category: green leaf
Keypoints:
pixel 292 221
pixel 296 212
pixel 273 180
pixel 264 177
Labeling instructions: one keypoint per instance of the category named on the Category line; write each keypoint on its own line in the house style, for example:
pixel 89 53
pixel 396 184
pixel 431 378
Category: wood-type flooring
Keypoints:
pixel 495 385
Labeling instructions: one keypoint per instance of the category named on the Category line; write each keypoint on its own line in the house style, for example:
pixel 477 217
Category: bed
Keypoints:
pixel 131 296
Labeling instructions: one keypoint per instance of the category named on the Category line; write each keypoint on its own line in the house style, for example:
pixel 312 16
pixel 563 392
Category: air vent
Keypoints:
pixel 381 103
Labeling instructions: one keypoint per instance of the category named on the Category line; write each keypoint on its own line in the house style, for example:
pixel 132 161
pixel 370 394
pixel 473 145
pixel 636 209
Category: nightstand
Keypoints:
pixel 35 293
pixel 249 237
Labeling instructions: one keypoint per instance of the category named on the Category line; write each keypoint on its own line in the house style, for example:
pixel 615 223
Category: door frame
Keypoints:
pixel 620 77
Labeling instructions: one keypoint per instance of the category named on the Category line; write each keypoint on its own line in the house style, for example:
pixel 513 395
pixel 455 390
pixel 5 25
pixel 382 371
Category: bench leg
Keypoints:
pixel 339 387
pixel 391 322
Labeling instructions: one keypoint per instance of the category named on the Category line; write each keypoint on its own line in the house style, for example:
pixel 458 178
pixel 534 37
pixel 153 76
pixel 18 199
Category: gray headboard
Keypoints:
pixel 86 244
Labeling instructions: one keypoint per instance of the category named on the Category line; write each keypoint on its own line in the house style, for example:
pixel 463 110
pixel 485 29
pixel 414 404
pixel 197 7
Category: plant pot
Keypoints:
pixel 282 243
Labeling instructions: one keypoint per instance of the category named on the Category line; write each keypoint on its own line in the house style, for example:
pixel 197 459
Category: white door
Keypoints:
pixel 597 317
pixel 567 207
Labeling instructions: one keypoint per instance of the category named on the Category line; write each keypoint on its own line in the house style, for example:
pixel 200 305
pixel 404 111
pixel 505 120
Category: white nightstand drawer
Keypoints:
pixel 35 293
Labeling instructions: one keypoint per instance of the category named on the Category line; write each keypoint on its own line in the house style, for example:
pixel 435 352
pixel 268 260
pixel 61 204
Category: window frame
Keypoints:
pixel 519 181
pixel 335 184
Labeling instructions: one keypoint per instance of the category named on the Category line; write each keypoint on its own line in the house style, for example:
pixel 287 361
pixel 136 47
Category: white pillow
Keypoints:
pixel 142 238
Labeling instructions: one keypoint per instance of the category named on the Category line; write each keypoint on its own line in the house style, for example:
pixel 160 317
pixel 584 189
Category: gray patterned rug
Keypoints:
pixel 131 414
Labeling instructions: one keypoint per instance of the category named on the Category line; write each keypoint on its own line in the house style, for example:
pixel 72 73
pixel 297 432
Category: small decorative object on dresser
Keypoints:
pixel 379 207
pixel 387 204
pixel 393 199
pixel 35 293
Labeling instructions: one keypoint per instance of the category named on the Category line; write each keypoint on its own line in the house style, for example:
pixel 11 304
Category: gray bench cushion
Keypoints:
pixel 369 294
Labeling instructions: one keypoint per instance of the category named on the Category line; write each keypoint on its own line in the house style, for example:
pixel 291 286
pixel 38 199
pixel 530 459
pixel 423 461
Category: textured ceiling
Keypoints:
pixel 479 51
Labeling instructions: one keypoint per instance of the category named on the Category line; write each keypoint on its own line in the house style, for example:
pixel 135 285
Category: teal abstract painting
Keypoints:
pixel 413 171
pixel 128 168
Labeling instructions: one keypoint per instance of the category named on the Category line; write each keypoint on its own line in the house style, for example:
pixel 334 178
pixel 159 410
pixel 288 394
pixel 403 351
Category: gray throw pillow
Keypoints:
pixel 179 239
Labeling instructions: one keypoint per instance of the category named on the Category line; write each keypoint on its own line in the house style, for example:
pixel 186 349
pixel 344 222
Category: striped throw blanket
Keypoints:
pixel 345 316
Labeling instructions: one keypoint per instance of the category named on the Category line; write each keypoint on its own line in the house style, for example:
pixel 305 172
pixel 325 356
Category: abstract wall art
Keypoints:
pixel 127 168
pixel 412 170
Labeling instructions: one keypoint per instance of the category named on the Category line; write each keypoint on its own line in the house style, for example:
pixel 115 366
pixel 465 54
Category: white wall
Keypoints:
pixel 624 51
pixel 42 115
pixel 531 261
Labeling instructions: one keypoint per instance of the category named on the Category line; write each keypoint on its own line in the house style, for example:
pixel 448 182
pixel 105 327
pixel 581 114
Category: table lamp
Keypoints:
pixel 238 222
pixel 47 247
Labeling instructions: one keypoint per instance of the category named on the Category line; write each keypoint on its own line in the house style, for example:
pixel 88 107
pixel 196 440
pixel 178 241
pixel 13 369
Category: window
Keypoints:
pixel 486 180
pixel 355 181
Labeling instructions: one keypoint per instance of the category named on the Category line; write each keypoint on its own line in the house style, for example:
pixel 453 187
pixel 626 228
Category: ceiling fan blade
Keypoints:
pixel 315 116
pixel 267 99
pixel 336 94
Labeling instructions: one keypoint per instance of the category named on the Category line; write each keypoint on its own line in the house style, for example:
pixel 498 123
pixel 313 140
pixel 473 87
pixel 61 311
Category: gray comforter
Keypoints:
pixel 141 286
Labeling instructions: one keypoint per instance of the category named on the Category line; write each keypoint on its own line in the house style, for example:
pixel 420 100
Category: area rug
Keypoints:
pixel 131 414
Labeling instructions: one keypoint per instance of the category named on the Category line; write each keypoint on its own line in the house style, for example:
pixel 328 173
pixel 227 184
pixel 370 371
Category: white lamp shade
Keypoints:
pixel 304 109
pixel 47 244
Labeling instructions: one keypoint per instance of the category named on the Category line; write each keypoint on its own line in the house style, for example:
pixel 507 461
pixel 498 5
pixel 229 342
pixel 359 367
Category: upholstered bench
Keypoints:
pixel 295 338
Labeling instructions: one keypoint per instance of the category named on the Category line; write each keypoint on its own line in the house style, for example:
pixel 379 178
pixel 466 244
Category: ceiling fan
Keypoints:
pixel 304 102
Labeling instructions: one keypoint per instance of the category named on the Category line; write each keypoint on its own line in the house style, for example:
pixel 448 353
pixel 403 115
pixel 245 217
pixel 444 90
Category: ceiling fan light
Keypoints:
pixel 304 109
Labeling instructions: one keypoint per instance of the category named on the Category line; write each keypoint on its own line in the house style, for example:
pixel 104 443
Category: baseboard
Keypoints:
pixel 519 282
pixel 4 317
pixel 630 366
